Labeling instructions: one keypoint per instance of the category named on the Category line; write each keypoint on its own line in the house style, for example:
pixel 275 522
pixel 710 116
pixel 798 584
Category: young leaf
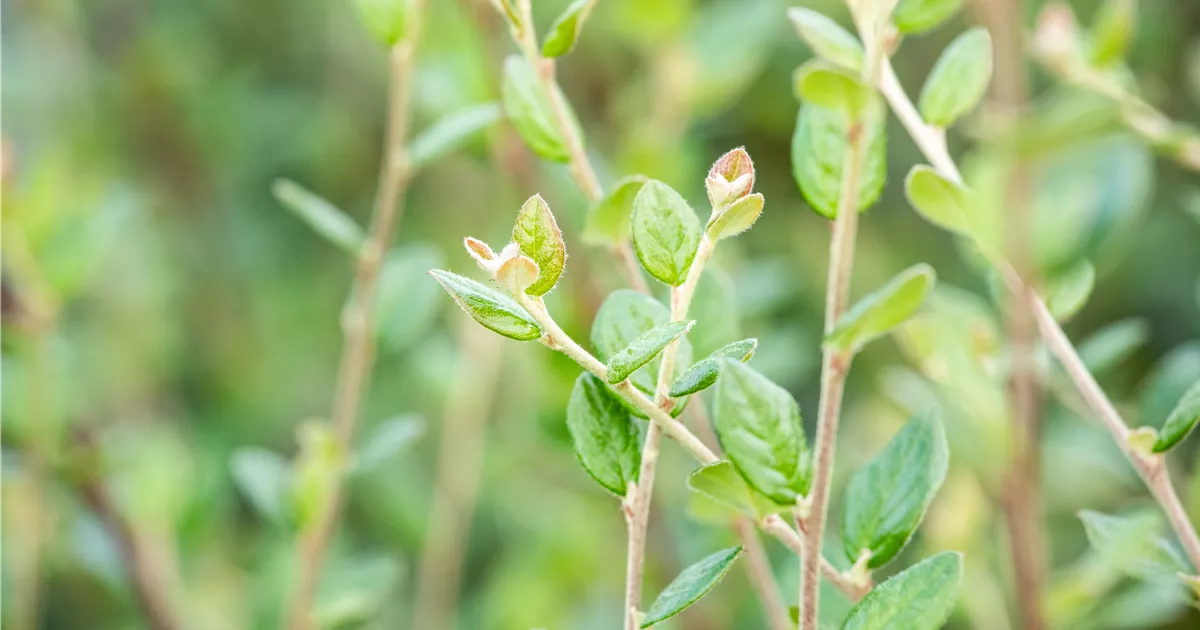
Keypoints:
pixel 383 19
pixel 643 349
pixel 1132 544
pixel 387 440
pixel 607 221
pixel 917 16
pixel 353 590
pixel 690 585
pixel 666 232
pixel 1112 30
pixel 450 132
pixel 737 218
pixel 759 425
pixel 406 304
pixel 1181 421
pixel 262 476
pixel 826 38
pixel 883 309
pixel 832 87
pixel 528 107
pixel 624 316
pixel 887 498
pixel 320 215
pixel 704 373
pixel 565 30
pixel 1068 291
pixel 1112 345
pixel 958 79
pixel 516 273
pixel 537 233
pixel 920 597
pixel 495 310
pixel 721 483
pixel 940 201
pixel 604 434
pixel 819 154
pixel 730 178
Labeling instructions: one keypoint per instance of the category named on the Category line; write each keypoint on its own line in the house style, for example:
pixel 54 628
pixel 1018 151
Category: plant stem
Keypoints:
pixel 358 348
pixel 794 541
pixel 834 366
pixel 1151 469
pixel 758 566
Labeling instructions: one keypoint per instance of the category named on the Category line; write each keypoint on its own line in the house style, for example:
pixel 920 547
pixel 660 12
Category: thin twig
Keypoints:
pixel 358 349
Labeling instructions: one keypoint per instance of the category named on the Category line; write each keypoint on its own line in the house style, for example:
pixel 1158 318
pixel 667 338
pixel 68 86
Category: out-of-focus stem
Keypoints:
pixel 358 351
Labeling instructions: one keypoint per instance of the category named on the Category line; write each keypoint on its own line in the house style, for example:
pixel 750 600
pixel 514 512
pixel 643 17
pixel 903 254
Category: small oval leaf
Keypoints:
pixel 624 316
pixel 940 201
pixel 607 221
pixel 958 79
pixel 323 217
pixel 737 218
pixel 827 38
pixel 604 434
pixel 883 309
pixel 760 429
pixel 666 232
pixel 1181 421
pixel 819 154
pixel 887 498
pixel 832 87
pixel 528 107
pixel 451 132
pixel 643 349
pixel 384 19
pixel 1067 291
pixel 564 32
pixel 494 310
pixel 917 16
pixel 920 597
pixel 705 372
pixel 690 585
pixel 537 234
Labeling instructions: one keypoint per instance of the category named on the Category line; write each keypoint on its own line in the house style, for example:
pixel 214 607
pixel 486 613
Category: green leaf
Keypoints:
pixel 919 598
pixel 942 202
pixel 705 372
pixel 388 440
pixel 826 38
pixel 1112 30
pixel 643 349
pixel 320 215
pixel 958 79
pixel 565 30
pixel 495 310
pixel 760 429
pixel 819 154
pixel 537 233
pixel 607 221
pixel 917 16
pixel 1068 291
pixel 1181 421
pixel 451 132
pixel 1132 543
pixel 830 86
pixel 383 19
pixel 887 498
pixel 1113 344
pixel 666 232
pixel 883 309
pixel 263 476
pixel 406 304
pixel 690 585
pixel 737 218
pixel 528 107
pixel 624 316
pixel 353 591
pixel 721 483
pixel 604 434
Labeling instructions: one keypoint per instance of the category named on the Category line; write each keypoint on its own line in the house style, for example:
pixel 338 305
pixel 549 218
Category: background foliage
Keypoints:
pixel 196 317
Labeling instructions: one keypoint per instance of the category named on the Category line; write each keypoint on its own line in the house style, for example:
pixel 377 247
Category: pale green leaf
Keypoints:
pixel 643 349
pixel 624 316
pixel 607 221
pixel 323 217
pixel 958 79
pixel 1181 421
pixel 831 86
pixel 827 38
pixel 1132 543
pixel 1112 30
pixel 819 149
pixel 388 440
pixel 883 309
pixel 705 372
pixel 737 218
pixel 494 310
pixel 352 592
pixel 384 19
pixel 451 132
pixel 721 483
pixel 690 585
pixel 887 498
pixel 604 434
pixel 565 30
pixel 917 16
pixel 537 234
pixel 1113 344
pixel 263 476
pixel 760 429
pixel 942 202
pixel 920 597
pixel 1069 290
pixel 666 232
pixel 406 303
pixel 528 107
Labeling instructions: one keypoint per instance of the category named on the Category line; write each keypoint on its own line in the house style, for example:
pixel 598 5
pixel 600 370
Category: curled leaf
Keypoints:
pixel 494 310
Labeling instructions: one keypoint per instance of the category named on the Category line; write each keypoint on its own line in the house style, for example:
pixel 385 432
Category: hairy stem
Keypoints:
pixel 358 348
pixel 834 366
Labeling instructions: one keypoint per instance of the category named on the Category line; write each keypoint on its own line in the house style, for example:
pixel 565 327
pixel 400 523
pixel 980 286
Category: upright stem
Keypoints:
pixel 834 366
pixel 358 348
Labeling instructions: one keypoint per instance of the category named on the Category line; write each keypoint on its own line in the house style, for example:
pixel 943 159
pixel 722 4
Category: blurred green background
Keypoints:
pixel 193 317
